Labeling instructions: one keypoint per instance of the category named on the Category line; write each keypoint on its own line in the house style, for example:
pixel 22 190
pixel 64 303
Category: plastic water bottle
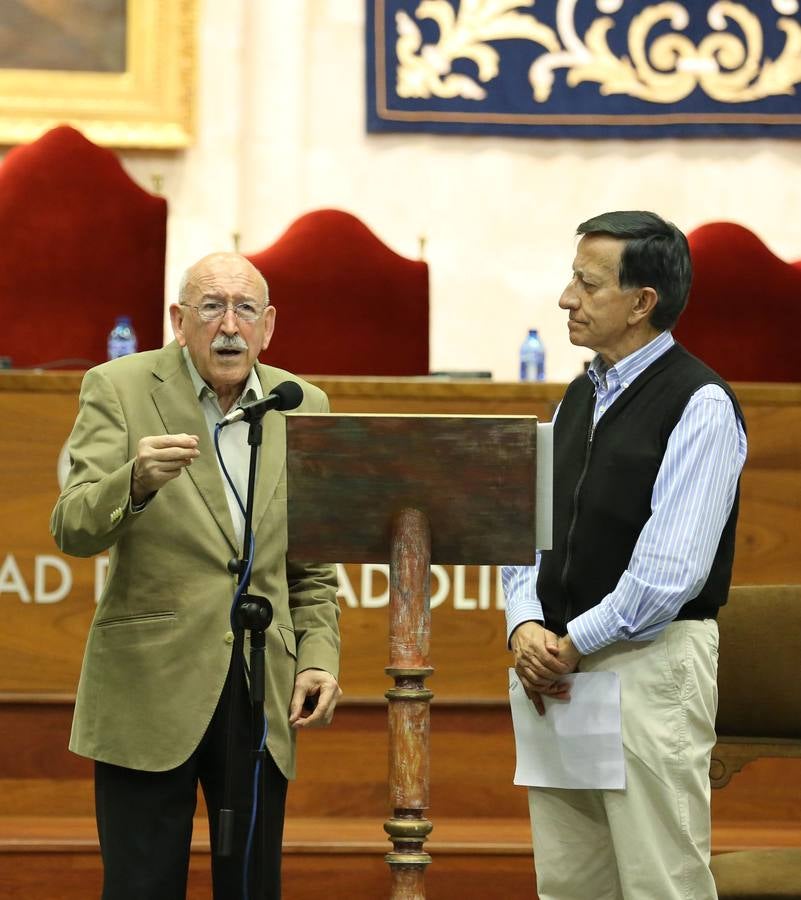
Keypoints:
pixel 121 338
pixel 532 358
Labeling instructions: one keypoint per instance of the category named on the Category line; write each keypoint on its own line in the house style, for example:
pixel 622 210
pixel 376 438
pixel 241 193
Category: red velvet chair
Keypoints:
pixel 346 304
pixel 742 307
pixel 81 244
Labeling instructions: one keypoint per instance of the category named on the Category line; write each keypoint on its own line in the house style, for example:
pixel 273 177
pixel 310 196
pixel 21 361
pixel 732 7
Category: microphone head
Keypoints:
pixel 289 394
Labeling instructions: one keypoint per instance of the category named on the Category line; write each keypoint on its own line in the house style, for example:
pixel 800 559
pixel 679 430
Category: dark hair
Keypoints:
pixel 656 255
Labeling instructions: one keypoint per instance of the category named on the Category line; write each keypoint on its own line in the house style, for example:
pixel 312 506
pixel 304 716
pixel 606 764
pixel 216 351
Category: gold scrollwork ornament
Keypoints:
pixel 425 70
pixel 729 67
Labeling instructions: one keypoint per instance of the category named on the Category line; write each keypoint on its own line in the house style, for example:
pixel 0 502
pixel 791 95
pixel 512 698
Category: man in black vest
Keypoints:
pixel 648 449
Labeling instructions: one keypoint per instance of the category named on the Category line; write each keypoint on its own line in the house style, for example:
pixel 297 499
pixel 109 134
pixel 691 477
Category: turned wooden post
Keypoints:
pixel 409 641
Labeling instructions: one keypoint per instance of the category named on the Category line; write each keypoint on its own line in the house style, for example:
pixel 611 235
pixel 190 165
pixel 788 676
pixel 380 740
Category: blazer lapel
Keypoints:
pixel 175 399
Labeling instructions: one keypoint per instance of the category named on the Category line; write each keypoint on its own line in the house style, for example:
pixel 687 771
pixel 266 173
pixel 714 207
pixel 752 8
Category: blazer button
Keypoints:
pixel 229 637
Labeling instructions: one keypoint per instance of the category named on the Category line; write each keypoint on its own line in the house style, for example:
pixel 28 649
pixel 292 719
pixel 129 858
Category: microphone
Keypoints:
pixel 285 396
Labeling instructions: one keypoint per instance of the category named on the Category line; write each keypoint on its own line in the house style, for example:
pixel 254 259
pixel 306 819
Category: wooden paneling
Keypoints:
pixel 313 868
pixel 342 771
pixel 42 642
pixel 334 839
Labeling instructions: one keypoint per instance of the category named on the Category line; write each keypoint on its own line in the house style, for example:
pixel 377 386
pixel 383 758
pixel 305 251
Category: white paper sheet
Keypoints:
pixel 578 742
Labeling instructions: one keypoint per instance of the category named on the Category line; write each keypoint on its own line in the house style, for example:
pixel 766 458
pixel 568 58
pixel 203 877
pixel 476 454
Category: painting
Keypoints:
pixel 121 71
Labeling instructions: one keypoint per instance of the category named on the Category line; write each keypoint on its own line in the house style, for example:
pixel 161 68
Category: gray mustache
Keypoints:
pixel 229 342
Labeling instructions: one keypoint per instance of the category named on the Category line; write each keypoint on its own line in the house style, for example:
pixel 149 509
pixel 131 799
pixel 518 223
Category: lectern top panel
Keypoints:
pixel 474 477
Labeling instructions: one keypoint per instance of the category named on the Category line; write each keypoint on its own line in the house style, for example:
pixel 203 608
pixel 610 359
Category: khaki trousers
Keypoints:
pixel 650 841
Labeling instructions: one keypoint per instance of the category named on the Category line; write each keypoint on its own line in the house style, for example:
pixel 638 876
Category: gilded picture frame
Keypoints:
pixel 148 105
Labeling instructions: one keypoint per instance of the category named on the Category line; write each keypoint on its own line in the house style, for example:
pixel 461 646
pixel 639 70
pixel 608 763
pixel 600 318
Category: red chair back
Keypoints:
pixel 81 244
pixel 346 304
pixel 739 318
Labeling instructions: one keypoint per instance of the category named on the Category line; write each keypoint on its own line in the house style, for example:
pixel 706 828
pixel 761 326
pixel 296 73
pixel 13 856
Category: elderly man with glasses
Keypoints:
pixel 153 707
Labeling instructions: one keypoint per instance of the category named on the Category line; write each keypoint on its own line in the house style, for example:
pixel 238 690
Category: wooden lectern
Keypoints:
pixel 414 490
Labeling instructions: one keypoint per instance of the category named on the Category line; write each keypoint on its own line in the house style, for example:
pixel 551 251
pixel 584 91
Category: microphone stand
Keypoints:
pixel 254 614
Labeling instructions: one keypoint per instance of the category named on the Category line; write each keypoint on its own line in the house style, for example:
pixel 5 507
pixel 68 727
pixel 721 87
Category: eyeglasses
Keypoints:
pixel 211 310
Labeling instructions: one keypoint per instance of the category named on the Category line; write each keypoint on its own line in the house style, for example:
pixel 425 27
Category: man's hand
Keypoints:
pixel 539 663
pixel 536 652
pixel 568 652
pixel 159 459
pixel 314 699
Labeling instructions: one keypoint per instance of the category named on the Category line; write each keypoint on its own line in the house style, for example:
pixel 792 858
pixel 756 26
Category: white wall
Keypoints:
pixel 281 130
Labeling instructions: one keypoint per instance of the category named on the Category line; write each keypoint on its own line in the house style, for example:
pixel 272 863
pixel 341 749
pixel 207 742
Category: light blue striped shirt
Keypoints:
pixel 691 501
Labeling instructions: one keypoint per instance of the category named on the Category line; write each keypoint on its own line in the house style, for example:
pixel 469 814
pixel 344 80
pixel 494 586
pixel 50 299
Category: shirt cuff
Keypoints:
pixel 523 612
pixel 593 629
pixel 138 507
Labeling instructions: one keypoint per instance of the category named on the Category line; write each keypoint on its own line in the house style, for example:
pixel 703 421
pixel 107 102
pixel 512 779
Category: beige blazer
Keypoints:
pixel 159 646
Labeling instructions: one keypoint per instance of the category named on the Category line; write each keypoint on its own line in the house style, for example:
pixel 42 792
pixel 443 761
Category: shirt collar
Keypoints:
pixel 251 391
pixel 630 367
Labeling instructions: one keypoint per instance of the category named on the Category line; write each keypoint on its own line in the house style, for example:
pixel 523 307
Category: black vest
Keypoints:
pixel 603 482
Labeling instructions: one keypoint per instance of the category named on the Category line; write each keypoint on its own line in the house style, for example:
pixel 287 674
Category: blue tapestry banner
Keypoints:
pixel 585 68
